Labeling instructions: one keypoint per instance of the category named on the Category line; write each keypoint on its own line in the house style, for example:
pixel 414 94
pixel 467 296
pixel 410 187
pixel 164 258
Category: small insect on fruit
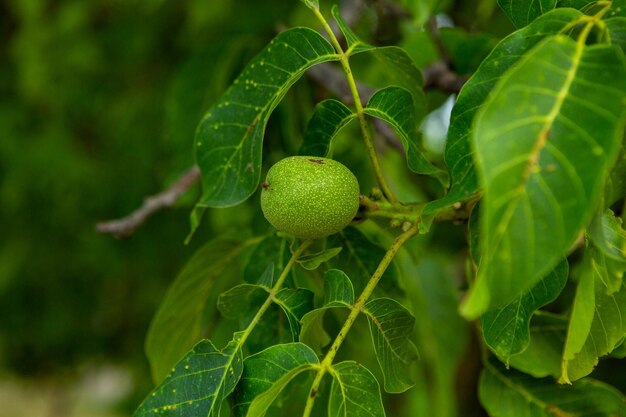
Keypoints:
pixel 309 197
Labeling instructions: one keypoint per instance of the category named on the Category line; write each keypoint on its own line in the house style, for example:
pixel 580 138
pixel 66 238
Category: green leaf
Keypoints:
pixel 544 141
pixel 338 290
pixel 507 330
pixel 241 301
pixel 400 70
pixel 522 12
pixel 391 326
pixel 329 117
pixel 542 357
pixel 458 155
pixel 598 321
pixel 198 384
pixel 396 106
pixel 271 250
pixel 608 236
pixel 266 374
pixel 359 260
pixel 295 303
pixel 313 261
pixel 312 4
pixel 616 26
pixel 354 392
pixel 618 8
pixel 513 394
pixel 575 4
pixel 355 45
pixel 229 138
pixel 177 325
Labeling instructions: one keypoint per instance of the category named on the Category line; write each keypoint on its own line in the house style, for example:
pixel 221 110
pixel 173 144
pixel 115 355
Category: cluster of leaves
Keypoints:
pixel 534 157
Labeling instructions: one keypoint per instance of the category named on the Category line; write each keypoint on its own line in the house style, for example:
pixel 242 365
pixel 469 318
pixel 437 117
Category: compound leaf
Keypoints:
pixel 229 138
pixel 177 325
pixel 355 45
pixel 544 142
pixel 329 117
pixel 266 374
pixel 507 330
pixel 295 303
pixel 198 384
pixel 338 290
pixel 313 261
pixel 354 392
pixel 458 154
pixel 391 326
pixel 396 106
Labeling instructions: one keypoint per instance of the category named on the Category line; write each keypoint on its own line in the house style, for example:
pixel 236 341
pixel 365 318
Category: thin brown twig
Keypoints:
pixel 126 226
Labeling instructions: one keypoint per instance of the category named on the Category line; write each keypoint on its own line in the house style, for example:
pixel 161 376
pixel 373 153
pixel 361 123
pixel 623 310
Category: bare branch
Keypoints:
pixel 126 226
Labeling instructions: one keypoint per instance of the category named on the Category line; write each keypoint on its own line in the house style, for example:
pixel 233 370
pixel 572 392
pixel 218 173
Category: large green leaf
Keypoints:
pixel 198 384
pixel 507 330
pixel 266 374
pixel 177 325
pixel 598 321
pixel 522 12
pixel 616 26
pixel 354 392
pixel 329 117
pixel 458 154
pixel 608 236
pixel 396 106
pixel 229 138
pixel 242 301
pixel 391 326
pixel 513 394
pixel 544 142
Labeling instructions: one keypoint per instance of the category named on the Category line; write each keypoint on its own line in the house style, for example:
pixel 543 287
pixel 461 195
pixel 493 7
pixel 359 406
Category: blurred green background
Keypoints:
pixel 99 101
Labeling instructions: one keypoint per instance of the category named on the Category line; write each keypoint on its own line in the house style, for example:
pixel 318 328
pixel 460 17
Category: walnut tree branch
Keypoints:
pixel 126 226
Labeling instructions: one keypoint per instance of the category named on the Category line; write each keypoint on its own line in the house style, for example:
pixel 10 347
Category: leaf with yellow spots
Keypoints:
pixel 544 143
pixel 198 383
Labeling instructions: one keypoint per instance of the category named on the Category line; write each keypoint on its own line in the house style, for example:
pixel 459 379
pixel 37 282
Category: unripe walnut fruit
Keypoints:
pixel 309 197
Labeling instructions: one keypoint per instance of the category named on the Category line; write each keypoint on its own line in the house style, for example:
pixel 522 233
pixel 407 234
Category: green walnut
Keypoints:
pixel 309 197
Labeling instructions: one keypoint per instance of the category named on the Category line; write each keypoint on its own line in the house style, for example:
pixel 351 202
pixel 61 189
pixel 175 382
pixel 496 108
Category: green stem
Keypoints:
pixel 371 151
pixel 357 308
pixel 272 294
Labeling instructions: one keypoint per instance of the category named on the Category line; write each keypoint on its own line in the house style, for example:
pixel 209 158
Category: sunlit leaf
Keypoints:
pixel 295 303
pixel 506 330
pixel 198 384
pixel 177 325
pixel 458 154
pixel 329 117
pixel 314 260
pixel 598 321
pixel 608 236
pixel 522 12
pixel 544 141
pixel 266 374
pixel 391 326
pixel 313 4
pixel 229 138
pixel 396 106
pixel 354 392
pixel 513 394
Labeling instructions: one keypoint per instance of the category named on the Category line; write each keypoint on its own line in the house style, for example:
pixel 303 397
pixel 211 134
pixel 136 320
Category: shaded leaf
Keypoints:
pixel 177 325
pixel 522 12
pixel 598 321
pixel 241 302
pixel 313 261
pixel 198 384
pixel 458 154
pixel 542 357
pixel 229 138
pixel 399 69
pixel 391 326
pixel 355 45
pixel 396 106
pixel 507 329
pixel 608 236
pixel 513 394
pixel 618 8
pixel 295 303
pixel 354 392
pixel 329 117
pixel 266 374
pixel 271 250
pixel 616 26
pixel 544 141
pixel 338 290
